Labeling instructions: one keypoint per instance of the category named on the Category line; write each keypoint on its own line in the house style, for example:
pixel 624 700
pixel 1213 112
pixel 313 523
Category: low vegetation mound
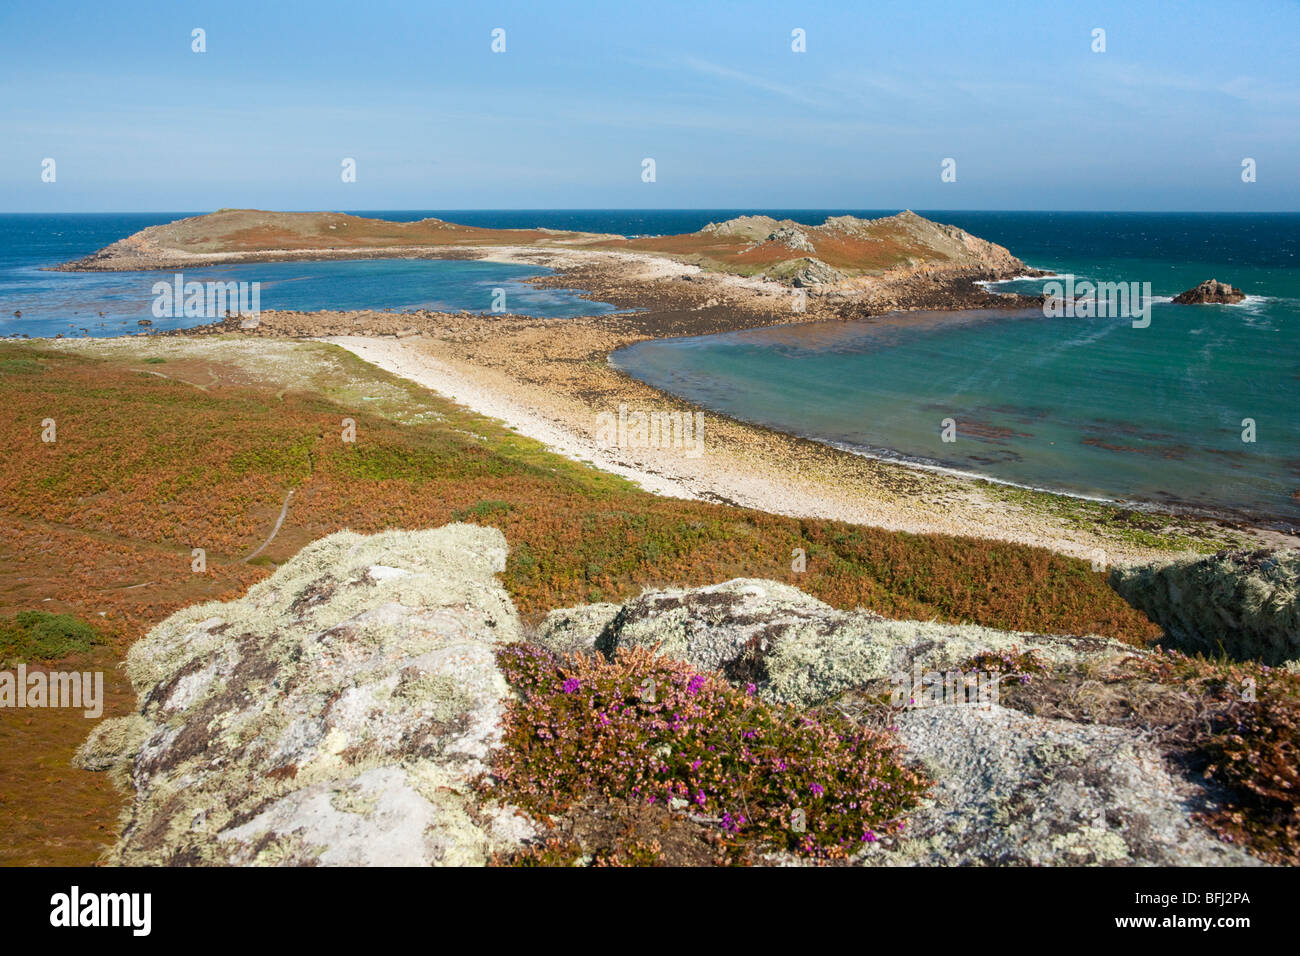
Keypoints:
pixel 257 231
pixel 648 729
pixel 41 636
pixel 1243 604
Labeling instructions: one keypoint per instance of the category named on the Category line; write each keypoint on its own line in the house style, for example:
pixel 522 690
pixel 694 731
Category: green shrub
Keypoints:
pixel 38 635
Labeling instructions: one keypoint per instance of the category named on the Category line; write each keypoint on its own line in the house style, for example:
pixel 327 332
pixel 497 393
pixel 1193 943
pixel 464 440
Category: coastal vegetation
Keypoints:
pixel 150 465
pixel 649 730
pixel 165 476
pixel 41 636
pixel 1247 739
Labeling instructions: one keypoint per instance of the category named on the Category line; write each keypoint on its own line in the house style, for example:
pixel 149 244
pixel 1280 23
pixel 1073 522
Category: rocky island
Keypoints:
pixel 848 265
pixel 1211 292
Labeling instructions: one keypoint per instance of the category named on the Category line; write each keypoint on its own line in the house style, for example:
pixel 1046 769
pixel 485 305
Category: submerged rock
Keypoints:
pixel 1245 604
pixel 336 714
pixel 1211 292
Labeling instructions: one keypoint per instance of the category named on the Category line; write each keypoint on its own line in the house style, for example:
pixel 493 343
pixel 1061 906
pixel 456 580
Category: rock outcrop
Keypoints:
pixel 813 272
pixel 1245 604
pixel 336 714
pixel 1016 789
pixel 1010 788
pixel 794 648
pixel 1211 292
pixel 345 709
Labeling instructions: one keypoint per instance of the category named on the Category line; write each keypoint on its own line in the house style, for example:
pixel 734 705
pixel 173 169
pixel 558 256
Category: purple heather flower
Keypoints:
pixel 695 684
pixel 750 690
pixel 571 685
pixel 817 789
pixel 869 837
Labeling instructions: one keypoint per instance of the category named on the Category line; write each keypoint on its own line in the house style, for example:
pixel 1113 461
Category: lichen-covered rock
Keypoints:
pixel 814 272
pixel 1014 789
pixel 336 714
pixel 794 648
pixel 1010 788
pixel 1245 604
pixel 573 630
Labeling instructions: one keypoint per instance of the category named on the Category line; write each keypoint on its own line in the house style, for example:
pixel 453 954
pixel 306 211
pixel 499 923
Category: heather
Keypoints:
pixel 1013 664
pixel 200 451
pixel 656 732
pixel 1249 741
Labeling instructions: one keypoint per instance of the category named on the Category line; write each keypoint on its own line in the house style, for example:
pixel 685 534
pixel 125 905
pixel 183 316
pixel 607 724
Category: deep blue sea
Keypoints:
pixel 71 304
pixel 1090 406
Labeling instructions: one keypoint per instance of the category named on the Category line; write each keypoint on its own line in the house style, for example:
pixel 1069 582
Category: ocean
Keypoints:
pixel 113 303
pixel 1200 409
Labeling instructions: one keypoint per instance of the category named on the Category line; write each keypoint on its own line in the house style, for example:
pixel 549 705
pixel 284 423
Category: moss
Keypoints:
pixel 20 366
pixel 484 509
pixel 1145 531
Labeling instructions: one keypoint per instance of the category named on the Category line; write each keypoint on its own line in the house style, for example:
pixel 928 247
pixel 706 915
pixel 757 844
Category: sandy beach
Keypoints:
pixel 548 379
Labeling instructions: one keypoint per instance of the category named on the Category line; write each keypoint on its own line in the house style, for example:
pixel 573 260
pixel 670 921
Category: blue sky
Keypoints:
pixel 712 91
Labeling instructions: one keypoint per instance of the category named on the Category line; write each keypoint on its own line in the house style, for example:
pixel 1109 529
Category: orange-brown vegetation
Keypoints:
pixel 101 524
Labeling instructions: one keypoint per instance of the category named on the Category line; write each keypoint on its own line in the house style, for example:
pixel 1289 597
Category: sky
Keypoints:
pixel 713 92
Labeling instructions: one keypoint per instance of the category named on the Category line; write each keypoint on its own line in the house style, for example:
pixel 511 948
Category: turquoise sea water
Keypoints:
pixel 1090 406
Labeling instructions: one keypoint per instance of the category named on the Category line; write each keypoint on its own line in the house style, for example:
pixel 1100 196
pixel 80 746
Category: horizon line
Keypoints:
pixel 161 212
